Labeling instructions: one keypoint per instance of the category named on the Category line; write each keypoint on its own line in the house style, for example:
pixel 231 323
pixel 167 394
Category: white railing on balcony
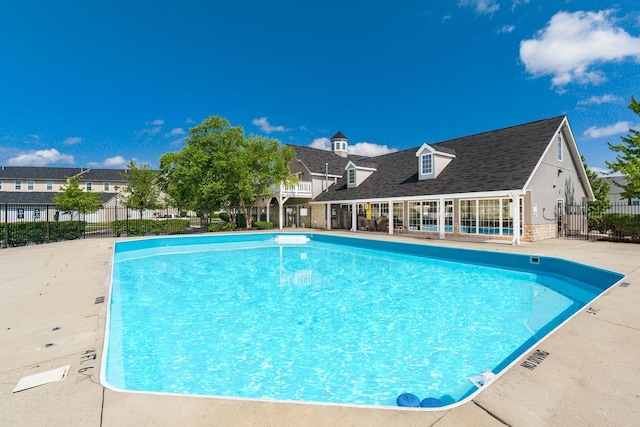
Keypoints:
pixel 301 189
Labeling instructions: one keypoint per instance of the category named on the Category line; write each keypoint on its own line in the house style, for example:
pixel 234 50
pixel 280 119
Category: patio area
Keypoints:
pixel 53 311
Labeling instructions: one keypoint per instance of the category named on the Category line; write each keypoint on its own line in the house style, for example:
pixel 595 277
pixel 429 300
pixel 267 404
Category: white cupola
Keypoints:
pixel 339 144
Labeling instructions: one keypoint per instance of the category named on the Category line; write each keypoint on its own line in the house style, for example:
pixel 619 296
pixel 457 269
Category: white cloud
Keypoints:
pixel 572 43
pixel 446 18
pixel 176 132
pixel 507 29
pixel 369 149
pixel 151 131
pixel 178 141
pixel 321 144
pixel 190 120
pixel 156 122
pixel 359 149
pixel 266 127
pixel 115 162
pixel 600 171
pixel 40 158
pixel 615 129
pixel 72 140
pixel 482 6
pixel 604 99
pixel 517 3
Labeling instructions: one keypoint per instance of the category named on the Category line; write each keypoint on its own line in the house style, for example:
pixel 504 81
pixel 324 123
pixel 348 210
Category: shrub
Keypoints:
pixel 223 216
pixel 25 233
pixel 263 225
pixel 142 227
pixel 221 226
pixel 622 225
pixel 171 226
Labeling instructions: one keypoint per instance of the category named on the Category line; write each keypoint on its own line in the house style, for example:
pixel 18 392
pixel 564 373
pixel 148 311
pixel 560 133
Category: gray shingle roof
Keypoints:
pixel 338 135
pixel 51 173
pixel 613 188
pixel 316 159
pixel 498 160
pixel 37 197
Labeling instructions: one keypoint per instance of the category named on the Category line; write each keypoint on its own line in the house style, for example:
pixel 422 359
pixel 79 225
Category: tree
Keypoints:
pixel 73 198
pixel 220 169
pixel 143 191
pixel 268 164
pixel 600 204
pixel 628 159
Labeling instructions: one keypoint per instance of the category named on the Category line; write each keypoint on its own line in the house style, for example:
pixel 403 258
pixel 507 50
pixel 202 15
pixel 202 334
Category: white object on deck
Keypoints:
pixel 295 239
pixel 42 378
pixel 482 379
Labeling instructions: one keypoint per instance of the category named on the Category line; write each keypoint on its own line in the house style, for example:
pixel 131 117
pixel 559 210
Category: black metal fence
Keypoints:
pixel 33 224
pixel 619 222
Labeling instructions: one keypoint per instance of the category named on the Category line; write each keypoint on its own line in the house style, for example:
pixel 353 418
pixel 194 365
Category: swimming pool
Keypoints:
pixel 321 318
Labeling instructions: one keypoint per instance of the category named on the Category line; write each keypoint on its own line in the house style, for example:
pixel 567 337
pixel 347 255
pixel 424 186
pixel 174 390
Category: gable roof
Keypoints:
pixel 315 160
pixel 499 160
pixel 53 173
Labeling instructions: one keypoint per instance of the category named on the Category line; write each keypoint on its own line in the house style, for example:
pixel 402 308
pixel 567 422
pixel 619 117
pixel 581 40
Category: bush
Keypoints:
pixel 25 233
pixel 222 226
pixel 223 216
pixel 142 227
pixel 262 225
pixel 623 226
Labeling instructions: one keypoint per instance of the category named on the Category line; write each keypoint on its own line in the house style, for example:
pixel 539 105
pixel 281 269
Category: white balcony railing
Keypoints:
pixel 301 189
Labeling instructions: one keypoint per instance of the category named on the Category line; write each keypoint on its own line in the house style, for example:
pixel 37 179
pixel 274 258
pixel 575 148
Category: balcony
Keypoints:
pixel 300 190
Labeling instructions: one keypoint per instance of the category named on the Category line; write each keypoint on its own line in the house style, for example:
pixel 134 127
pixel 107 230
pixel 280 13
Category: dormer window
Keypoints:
pixel 351 177
pixel 426 164
pixel 364 171
pixel 433 160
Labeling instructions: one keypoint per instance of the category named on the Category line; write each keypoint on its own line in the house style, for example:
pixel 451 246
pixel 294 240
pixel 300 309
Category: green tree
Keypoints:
pixel 220 169
pixel 628 158
pixel 600 204
pixel 72 198
pixel 143 191
pixel 267 163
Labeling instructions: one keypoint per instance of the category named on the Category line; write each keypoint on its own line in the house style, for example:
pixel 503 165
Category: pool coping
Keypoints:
pixel 588 377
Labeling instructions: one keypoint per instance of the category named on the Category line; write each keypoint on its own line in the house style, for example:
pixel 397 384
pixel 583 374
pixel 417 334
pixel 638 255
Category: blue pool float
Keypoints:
pixel 408 400
pixel 431 402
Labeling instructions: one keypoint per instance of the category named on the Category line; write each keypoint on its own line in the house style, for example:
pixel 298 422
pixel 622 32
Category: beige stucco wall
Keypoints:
pixel 554 180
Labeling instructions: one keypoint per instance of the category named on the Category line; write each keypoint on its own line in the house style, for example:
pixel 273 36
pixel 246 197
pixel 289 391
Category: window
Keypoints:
pixel 426 164
pixel 351 176
pixel 559 143
pixel 468 216
pixel 30 185
pixel 0 184
pixel 18 185
pixel 49 185
pixel 89 186
pixel 106 186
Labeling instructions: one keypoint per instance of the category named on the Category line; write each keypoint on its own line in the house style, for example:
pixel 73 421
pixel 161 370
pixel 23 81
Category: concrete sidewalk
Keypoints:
pixel 52 314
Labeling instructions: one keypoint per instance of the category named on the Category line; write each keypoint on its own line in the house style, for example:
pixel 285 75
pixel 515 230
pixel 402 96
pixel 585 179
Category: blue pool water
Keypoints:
pixel 336 320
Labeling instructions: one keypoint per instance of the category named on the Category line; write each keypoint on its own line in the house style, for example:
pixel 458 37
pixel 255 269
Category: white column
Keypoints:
pixel 268 210
pixel 354 217
pixel 390 218
pixel 441 213
pixel 280 203
pixel 516 219
pixel 328 216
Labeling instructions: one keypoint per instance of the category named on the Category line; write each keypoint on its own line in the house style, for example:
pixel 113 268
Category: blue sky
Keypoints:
pixel 96 83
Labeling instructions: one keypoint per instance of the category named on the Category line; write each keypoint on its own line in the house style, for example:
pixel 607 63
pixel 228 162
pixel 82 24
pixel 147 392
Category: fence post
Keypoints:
pixel 6 225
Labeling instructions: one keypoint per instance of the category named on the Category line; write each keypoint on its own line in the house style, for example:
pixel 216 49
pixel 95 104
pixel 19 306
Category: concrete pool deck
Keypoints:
pixel 591 375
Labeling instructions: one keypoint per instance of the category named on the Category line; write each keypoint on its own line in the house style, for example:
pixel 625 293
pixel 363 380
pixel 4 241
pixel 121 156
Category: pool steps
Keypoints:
pixel 296 239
